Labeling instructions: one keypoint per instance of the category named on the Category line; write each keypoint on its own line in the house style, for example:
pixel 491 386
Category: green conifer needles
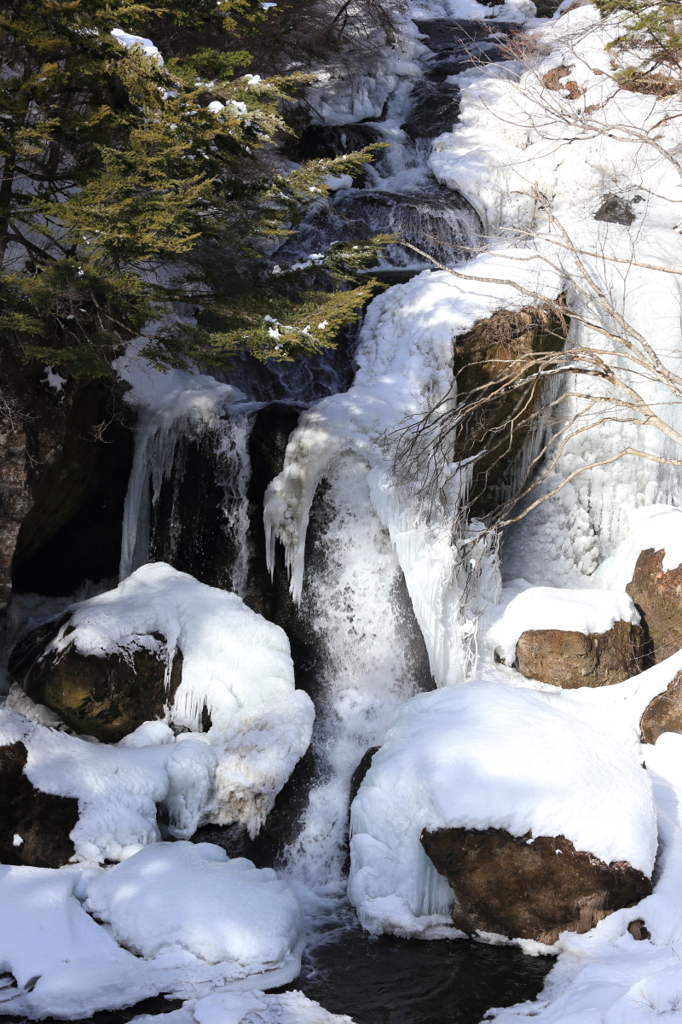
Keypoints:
pixel 129 186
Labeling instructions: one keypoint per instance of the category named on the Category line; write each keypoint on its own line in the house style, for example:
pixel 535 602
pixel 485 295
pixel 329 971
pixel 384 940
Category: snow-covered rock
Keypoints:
pixel 486 756
pixel 191 896
pixel 235 1007
pixel 570 638
pixel 119 788
pixel 647 564
pixel 235 664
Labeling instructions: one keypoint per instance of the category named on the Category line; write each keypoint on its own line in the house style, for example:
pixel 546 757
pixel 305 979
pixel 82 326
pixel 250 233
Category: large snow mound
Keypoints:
pixel 579 611
pixel 235 663
pixel 658 528
pixel 191 896
pixel 484 755
pixel 64 964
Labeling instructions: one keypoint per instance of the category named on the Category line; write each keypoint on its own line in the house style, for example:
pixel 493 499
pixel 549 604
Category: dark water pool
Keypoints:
pixel 396 981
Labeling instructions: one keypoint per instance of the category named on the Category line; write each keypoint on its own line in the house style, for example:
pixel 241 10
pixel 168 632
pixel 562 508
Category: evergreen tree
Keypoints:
pixel 130 185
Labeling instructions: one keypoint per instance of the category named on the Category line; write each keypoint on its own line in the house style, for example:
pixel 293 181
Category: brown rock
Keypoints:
pixel 569 659
pixel 658 596
pixel 41 820
pixel 105 697
pixel 664 713
pixel 529 889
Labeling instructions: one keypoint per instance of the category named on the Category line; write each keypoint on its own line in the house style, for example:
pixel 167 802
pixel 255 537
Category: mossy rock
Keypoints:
pixel 107 697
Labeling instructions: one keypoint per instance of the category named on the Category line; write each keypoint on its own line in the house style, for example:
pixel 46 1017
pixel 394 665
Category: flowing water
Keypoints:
pixel 195 500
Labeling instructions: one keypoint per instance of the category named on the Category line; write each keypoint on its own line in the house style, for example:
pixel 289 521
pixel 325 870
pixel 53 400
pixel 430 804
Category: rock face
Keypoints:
pixel 664 713
pixel 66 458
pixel 34 826
pixel 658 596
pixel 479 354
pixel 529 889
pixel 570 659
pixel 104 697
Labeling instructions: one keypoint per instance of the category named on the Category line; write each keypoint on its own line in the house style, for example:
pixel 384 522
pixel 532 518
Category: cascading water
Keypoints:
pixel 372 658
pixel 381 588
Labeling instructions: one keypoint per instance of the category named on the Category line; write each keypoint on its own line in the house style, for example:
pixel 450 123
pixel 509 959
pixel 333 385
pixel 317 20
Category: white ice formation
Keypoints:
pixel 405 367
pixel 235 663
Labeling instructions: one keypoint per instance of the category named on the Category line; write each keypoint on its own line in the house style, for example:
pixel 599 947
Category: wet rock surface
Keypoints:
pixel 34 826
pixel 105 697
pixel 458 44
pixel 658 596
pixel 529 888
pixel 434 110
pixel 570 659
pixel 664 713
pixel 66 457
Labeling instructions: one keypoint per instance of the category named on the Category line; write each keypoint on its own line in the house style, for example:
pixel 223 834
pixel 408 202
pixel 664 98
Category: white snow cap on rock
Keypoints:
pixel 235 663
pixel 659 528
pixel 579 611
pixel 191 896
pixel 484 755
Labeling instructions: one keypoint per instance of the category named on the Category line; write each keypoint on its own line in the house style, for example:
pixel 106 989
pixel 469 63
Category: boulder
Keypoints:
pixel 664 713
pixel 528 888
pixel 658 595
pixel 107 697
pixel 34 826
pixel 569 659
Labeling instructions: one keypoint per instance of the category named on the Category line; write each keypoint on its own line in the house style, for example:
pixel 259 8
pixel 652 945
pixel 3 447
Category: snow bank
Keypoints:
pixel 483 756
pixel 191 896
pixel 235 663
pixel 405 359
pixel 658 527
pixel 579 611
pixel 119 789
pixel 235 1007
pixel 64 964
